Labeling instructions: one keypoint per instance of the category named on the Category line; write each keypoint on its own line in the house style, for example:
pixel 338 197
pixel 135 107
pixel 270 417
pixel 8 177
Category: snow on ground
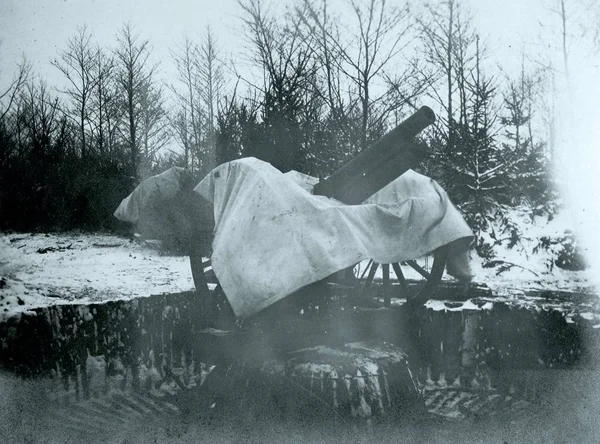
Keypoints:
pixel 83 268
pixel 531 269
pixel 80 268
pixel 521 268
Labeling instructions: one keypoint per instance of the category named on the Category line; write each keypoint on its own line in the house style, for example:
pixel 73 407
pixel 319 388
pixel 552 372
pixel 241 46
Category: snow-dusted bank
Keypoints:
pixel 39 270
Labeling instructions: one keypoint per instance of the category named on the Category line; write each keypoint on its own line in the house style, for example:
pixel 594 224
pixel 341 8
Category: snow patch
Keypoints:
pixel 528 270
pixel 40 270
pixel 436 305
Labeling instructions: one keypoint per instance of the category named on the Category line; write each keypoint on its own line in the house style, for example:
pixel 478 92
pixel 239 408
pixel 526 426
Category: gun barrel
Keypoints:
pixel 389 157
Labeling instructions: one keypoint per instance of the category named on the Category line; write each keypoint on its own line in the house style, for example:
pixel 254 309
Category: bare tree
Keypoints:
pixel 383 32
pixel 288 64
pixel 133 73
pixel 562 10
pixel 332 92
pixel 570 23
pixel 563 21
pixel 201 83
pixel 188 119
pixel 10 122
pixel 9 95
pixel 324 28
pixel 103 103
pixel 564 33
pixel 211 83
pixel 283 52
pixel 181 133
pixel 154 127
pixel 77 63
pixel 43 129
pixel 449 46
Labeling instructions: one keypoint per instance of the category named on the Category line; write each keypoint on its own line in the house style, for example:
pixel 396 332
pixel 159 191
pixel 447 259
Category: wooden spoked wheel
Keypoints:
pixel 416 279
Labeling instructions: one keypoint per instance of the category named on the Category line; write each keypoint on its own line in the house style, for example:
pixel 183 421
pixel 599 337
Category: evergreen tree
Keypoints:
pixel 529 175
pixel 237 130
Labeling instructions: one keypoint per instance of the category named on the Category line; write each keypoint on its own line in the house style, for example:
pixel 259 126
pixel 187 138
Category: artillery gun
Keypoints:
pixel 367 174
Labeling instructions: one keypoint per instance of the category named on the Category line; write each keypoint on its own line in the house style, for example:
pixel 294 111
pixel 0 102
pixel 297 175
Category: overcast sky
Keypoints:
pixel 38 28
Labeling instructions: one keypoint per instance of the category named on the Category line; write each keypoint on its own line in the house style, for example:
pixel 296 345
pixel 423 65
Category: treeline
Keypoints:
pixel 69 155
pixel 312 89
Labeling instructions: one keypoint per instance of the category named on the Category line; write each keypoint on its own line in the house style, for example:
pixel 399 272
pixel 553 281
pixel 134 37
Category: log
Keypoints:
pixel 381 163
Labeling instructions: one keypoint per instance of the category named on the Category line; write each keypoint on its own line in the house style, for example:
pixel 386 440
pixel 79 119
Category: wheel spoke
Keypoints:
pixel 417 290
pixel 419 269
pixel 371 275
pixel 399 275
pixel 366 268
pixel 385 268
pixel 386 283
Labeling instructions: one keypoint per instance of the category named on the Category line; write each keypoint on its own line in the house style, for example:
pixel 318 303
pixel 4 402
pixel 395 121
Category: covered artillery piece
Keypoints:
pixel 277 330
pixel 167 325
pixel 298 234
pixel 272 236
pixel 366 175
pixel 348 374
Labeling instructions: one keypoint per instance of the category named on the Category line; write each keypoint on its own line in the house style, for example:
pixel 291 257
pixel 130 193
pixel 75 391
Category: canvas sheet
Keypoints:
pixel 148 194
pixel 272 236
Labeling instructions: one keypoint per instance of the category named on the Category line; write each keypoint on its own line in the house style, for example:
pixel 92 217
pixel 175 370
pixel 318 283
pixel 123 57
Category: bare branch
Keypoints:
pixel 16 85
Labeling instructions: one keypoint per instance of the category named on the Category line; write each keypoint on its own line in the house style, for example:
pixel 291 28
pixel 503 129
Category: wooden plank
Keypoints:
pixel 371 276
pixel 386 285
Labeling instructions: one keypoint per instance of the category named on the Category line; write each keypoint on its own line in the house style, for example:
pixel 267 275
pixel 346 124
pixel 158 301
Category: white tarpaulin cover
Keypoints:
pixel 272 236
pixel 150 193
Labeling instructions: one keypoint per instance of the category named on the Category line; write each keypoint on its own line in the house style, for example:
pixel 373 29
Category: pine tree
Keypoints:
pixel 236 131
pixel 529 181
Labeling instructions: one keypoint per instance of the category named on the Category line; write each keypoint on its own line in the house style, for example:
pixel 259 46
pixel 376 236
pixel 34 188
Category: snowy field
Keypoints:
pixel 45 269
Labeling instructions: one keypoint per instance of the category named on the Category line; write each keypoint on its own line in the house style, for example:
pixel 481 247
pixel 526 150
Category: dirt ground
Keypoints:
pixel 567 412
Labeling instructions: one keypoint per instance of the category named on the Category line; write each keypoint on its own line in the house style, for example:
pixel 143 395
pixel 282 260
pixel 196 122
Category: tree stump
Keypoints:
pixel 353 382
